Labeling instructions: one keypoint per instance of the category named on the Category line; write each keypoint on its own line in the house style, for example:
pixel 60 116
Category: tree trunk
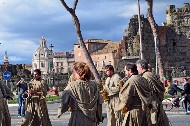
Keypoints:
pixel 159 62
pixel 80 39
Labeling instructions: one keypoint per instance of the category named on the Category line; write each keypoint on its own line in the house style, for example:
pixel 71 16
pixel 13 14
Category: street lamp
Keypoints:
pixel 51 63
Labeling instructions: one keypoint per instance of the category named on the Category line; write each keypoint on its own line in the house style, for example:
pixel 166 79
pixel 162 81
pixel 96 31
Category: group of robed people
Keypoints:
pixel 137 102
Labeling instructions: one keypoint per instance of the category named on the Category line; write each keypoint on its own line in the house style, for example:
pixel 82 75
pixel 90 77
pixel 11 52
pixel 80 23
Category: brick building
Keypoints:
pixel 103 52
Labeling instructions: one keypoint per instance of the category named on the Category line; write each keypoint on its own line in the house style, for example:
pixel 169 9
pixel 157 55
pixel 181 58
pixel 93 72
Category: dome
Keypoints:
pixel 42 52
pixel 42 57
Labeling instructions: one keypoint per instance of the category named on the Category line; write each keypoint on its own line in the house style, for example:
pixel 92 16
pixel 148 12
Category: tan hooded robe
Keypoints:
pixel 112 88
pixel 135 96
pixel 36 108
pixel 5 115
pixel 157 113
pixel 84 101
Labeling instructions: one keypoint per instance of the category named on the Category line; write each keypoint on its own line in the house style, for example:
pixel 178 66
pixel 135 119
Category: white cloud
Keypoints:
pixel 4 35
pixel 15 59
pixel 18 50
pixel 23 22
pixel 21 47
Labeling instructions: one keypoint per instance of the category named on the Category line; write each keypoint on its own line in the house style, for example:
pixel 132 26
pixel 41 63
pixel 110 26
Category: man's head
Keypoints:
pixel 37 73
pixel 109 70
pixel 175 82
pixel 130 69
pixel 185 80
pixel 142 66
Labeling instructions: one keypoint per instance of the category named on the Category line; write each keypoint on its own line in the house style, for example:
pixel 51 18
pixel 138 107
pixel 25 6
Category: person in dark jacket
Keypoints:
pixel 21 89
pixel 186 92
pixel 173 91
pixel 174 88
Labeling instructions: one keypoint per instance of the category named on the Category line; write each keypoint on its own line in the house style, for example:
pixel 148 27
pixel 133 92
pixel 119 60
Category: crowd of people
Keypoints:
pixel 137 102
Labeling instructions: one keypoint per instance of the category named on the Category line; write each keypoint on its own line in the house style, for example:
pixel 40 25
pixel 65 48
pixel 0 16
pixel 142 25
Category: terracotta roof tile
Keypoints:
pixel 109 48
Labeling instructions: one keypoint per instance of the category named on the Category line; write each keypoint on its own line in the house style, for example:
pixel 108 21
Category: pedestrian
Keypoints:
pixel 173 92
pixel 1 108
pixel 21 90
pixel 186 92
pixel 134 97
pixel 112 87
pixel 7 94
pixel 157 114
pixel 54 91
pixel 82 98
pixel 36 108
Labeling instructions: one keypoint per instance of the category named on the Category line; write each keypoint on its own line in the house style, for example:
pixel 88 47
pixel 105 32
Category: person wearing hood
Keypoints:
pixel 157 114
pixel 82 98
pixel 134 97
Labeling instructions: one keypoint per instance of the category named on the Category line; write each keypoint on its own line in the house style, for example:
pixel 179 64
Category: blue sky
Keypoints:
pixel 24 22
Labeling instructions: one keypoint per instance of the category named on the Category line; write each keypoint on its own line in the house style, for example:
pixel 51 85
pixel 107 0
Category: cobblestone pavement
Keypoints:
pixel 177 117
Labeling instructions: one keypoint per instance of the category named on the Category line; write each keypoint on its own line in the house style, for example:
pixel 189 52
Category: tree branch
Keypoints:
pixel 75 5
pixel 67 7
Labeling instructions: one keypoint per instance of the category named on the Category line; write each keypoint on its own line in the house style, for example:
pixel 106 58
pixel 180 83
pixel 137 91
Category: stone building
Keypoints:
pixel 49 62
pixel 103 52
pixel 63 62
pixel 42 58
pixel 174 40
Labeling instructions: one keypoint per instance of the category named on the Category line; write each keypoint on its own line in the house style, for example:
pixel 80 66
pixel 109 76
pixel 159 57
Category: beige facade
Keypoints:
pixel 48 62
pixel 63 62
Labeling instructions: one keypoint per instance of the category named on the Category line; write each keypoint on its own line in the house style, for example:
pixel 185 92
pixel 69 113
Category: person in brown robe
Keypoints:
pixel 157 114
pixel 5 118
pixel 36 108
pixel 112 87
pixel 82 98
pixel 5 94
pixel 134 97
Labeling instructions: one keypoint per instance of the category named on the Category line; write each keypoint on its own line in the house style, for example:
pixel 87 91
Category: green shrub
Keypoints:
pixel 14 101
pixel 48 98
pixel 53 98
pixel 167 96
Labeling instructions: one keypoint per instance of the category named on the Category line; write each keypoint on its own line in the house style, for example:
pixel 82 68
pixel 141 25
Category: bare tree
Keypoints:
pixel 154 26
pixel 80 38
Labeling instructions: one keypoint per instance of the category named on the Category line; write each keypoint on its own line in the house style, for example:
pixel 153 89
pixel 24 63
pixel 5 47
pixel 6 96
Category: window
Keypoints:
pixel 35 66
pixel 109 62
pixel 103 64
pixel 42 65
pixel 95 64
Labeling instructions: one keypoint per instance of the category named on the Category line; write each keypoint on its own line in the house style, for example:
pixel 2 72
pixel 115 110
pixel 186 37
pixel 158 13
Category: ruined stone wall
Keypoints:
pixel 132 39
pixel 179 19
pixel 174 40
